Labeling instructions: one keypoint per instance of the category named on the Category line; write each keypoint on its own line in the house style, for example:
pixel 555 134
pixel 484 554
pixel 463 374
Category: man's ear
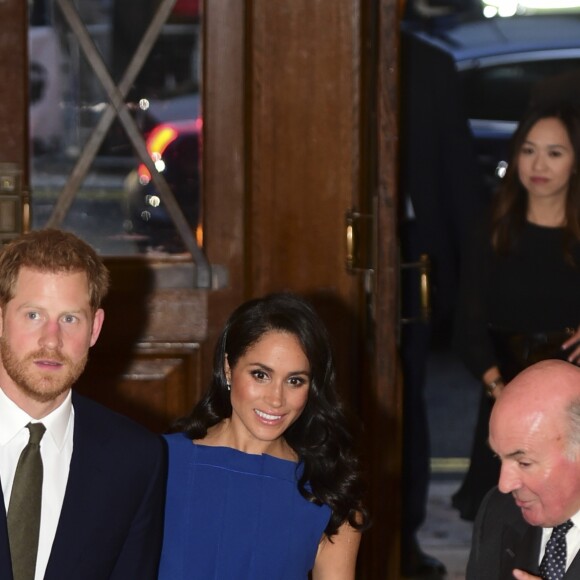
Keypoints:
pixel 98 320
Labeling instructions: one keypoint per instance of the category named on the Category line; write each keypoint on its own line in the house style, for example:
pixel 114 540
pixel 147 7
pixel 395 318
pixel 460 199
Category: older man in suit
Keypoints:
pixel 529 527
pixel 82 487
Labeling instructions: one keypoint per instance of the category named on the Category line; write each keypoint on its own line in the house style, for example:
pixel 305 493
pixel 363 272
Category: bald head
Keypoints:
pixel 535 431
pixel 546 391
pixel 550 385
pixel 548 388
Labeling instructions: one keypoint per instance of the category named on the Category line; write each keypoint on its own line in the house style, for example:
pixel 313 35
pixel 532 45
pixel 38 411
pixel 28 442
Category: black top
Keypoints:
pixel 532 289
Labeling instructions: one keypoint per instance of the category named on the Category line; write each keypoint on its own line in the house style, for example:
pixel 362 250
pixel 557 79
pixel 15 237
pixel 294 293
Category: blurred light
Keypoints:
pixel 143 104
pixel 507 12
pixel 144 174
pixel 157 142
pixel 145 216
pixel 152 200
pixel 550 4
pixel 508 8
pixel 160 138
pixel 501 169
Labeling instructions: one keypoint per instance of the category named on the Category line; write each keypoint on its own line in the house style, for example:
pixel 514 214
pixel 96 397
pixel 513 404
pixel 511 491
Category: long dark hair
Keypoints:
pixel 320 436
pixel 510 205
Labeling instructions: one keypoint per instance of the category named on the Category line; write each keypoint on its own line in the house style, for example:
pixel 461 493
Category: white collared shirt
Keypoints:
pixel 572 540
pixel 56 449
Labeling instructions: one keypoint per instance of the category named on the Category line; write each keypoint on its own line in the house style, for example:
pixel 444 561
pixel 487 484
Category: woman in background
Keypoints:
pixel 263 482
pixel 519 298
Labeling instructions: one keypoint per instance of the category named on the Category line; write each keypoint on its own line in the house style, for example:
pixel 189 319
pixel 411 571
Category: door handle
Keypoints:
pixel 359 246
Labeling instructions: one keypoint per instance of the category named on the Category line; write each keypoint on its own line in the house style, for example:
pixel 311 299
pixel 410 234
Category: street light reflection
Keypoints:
pixel 507 8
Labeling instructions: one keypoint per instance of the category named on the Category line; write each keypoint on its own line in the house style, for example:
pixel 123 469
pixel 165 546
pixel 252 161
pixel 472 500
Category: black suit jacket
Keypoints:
pixel 111 523
pixel 503 540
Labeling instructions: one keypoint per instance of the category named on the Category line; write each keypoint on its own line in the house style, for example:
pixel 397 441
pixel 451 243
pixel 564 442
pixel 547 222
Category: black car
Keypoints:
pixel 175 148
pixel 500 64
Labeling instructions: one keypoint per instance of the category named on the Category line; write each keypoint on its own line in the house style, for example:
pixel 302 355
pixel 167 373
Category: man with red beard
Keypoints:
pixel 101 482
pixel 529 526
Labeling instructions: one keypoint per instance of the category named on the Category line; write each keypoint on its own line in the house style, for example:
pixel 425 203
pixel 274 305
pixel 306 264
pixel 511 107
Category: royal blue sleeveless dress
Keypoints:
pixel 234 516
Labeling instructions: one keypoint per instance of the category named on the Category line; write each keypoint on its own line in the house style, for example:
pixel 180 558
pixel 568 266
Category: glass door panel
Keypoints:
pixel 118 205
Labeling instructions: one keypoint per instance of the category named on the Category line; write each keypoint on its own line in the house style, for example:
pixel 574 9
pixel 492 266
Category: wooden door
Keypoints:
pixel 300 120
pixel 300 126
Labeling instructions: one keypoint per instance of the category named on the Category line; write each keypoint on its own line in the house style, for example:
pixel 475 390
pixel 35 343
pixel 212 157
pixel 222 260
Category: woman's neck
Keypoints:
pixel 227 433
pixel 547 212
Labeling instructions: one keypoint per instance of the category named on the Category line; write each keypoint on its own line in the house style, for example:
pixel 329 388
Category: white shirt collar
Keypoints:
pixel 575 520
pixel 14 419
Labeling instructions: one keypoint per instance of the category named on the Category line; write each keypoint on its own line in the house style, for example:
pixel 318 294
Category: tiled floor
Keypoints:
pixel 444 535
pixel 452 397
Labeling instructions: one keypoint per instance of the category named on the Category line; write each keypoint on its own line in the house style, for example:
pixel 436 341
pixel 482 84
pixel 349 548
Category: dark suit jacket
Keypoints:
pixel 503 540
pixel 111 523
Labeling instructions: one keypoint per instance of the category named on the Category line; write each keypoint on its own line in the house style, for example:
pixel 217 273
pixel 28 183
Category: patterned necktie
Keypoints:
pixel 553 566
pixel 24 508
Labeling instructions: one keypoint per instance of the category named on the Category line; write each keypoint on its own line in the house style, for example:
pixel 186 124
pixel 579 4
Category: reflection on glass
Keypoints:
pixel 117 208
pixel 507 8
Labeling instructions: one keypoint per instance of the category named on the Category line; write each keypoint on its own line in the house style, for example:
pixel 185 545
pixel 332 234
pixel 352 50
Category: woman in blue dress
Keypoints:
pixel 263 483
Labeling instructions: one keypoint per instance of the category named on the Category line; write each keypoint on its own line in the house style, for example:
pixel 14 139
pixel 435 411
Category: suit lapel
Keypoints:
pixel 5 564
pixel 79 494
pixel 523 552
pixel 520 550
pixel 574 569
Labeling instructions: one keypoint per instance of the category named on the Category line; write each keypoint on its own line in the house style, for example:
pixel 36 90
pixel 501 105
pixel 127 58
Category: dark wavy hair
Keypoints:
pixel 320 436
pixel 510 204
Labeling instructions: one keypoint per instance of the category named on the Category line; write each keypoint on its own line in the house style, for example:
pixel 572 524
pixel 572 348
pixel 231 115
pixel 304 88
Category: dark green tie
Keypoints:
pixel 24 508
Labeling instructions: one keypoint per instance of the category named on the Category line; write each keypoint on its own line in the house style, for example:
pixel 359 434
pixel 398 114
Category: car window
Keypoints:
pixel 497 92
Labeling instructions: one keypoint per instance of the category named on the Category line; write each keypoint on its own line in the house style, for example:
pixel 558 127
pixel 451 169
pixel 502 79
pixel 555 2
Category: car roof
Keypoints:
pixel 495 37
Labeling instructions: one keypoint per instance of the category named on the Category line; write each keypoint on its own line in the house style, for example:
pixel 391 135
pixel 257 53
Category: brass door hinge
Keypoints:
pixel 14 203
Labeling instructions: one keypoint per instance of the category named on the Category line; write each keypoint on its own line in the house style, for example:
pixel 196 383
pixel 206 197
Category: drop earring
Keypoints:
pixel 228 386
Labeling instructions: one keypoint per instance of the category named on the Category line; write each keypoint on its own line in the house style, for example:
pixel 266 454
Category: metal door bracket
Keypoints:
pixel 359 236
pixel 14 202
pixel 423 265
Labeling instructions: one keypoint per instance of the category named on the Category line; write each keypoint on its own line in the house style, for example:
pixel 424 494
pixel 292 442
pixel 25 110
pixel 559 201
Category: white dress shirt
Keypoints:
pixel 56 449
pixel 572 540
